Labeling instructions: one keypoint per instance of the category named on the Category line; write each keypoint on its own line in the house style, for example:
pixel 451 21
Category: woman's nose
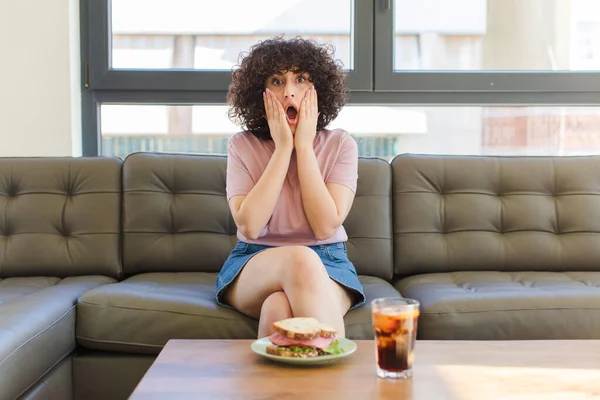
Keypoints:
pixel 289 91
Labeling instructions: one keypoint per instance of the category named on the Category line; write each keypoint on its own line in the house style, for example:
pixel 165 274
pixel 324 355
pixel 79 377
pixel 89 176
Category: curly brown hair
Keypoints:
pixel 279 55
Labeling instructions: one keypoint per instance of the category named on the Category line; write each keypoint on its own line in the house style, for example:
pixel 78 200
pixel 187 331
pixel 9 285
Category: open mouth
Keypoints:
pixel 291 114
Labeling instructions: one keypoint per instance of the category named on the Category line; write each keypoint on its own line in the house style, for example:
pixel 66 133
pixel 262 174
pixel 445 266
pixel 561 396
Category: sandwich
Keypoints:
pixel 303 338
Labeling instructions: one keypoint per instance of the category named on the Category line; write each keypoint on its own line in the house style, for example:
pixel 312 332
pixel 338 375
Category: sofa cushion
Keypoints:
pixel 176 216
pixel 37 327
pixel 469 213
pixel 369 222
pixel 506 305
pixel 60 216
pixel 142 313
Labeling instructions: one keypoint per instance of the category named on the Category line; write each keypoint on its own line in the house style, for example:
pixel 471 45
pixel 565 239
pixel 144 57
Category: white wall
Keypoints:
pixel 40 101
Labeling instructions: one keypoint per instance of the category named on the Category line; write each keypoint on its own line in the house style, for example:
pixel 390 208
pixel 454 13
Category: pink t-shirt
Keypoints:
pixel 248 156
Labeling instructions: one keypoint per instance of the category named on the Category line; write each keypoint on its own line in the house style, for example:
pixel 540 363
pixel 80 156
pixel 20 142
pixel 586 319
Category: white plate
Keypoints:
pixel 260 348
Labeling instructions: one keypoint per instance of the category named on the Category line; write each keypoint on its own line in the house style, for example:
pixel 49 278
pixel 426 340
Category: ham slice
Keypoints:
pixel 319 343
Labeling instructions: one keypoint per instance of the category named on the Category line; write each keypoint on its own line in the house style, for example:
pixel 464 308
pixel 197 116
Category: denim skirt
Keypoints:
pixel 334 257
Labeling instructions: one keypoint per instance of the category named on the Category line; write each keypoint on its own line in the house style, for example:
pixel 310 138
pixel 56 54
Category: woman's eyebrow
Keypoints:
pixel 281 75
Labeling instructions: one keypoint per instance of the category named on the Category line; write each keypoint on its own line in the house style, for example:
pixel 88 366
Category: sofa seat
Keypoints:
pixel 37 322
pixel 506 305
pixel 141 313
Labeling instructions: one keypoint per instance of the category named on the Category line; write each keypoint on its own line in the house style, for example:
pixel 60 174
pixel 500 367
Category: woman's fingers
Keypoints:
pixel 279 108
pixel 305 107
pixel 273 108
pixel 308 103
pixel 308 106
pixel 276 107
pixel 267 102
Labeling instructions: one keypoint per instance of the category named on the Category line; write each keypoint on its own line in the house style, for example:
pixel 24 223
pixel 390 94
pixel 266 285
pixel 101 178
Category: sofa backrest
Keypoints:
pixel 455 213
pixel 60 216
pixel 176 217
pixel 369 223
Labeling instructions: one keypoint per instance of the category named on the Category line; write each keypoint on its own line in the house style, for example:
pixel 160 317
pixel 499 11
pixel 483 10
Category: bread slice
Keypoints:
pixel 303 328
pixel 285 352
pixel 328 331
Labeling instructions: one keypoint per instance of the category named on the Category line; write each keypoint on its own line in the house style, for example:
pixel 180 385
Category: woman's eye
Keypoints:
pixel 301 80
pixel 276 81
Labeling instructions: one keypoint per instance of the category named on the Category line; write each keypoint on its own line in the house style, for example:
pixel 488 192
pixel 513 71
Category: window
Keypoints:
pixel 205 129
pixel 493 46
pixel 380 131
pixel 188 45
pixel 426 76
pixel 184 34
pixel 494 35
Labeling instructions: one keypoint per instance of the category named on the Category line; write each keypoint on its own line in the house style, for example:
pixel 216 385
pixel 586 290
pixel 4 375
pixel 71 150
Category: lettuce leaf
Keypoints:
pixel 334 348
pixel 300 349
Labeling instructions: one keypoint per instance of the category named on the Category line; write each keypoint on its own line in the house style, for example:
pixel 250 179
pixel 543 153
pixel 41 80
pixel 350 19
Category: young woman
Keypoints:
pixel 290 186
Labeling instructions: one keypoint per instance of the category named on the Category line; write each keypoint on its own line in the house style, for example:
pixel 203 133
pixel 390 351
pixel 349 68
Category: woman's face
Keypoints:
pixel 289 88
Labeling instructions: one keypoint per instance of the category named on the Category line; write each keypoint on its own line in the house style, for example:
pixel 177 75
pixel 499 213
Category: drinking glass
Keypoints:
pixel 395 329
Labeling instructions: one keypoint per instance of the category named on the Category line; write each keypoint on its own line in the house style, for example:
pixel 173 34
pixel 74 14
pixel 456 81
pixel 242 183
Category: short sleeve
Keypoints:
pixel 239 180
pixel 345 169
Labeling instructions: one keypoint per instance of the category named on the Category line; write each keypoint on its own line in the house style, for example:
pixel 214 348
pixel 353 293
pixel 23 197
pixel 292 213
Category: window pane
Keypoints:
pixel 538 35
pixel 206 129
pixel 192 34
pixel 379 131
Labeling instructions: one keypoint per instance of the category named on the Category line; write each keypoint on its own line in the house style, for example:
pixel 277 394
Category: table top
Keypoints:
pixel 462 370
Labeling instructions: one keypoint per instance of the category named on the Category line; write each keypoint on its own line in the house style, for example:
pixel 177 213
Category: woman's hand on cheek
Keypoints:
pixel 307 121
pixel 278 126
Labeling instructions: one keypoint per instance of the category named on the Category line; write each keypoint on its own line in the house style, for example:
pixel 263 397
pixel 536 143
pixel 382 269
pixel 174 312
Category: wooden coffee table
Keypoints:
pixel 228 369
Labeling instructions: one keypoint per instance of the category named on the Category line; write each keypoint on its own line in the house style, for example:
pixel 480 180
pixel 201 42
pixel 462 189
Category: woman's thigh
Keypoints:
pixel 260 277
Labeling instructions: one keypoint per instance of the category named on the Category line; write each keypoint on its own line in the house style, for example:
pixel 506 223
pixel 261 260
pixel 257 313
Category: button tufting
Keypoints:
pixel 69 188
pixel 12 190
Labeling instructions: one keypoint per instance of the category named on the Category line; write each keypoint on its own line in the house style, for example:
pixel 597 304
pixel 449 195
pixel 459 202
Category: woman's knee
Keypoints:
pixel 305 268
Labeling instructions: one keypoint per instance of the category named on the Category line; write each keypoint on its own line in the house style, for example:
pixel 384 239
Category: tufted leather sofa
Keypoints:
pixel 499 247
pixel 103 260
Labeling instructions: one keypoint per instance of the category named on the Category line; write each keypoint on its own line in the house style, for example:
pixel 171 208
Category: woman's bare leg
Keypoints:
pixel 300 274
pixel 275 308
